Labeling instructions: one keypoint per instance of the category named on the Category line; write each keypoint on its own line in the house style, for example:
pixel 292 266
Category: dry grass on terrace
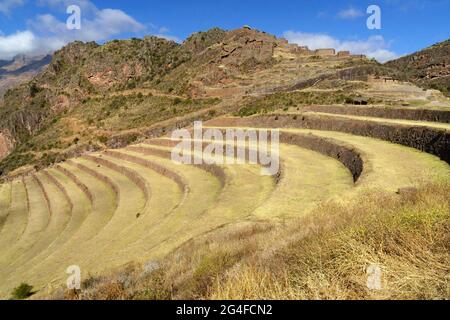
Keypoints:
pixel 322 256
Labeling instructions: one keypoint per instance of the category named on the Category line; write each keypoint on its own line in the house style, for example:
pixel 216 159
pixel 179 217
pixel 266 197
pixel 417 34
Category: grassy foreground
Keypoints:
pixel 322 256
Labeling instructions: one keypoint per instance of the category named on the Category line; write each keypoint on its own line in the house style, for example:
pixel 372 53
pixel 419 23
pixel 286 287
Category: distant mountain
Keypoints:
pixel 4 63
pixel 19 70
pixel 429 68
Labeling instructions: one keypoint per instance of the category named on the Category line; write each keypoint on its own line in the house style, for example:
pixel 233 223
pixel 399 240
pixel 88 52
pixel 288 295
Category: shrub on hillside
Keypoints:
pixel 22 292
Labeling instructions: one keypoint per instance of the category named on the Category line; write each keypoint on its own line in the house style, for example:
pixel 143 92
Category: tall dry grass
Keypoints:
pixel 322 256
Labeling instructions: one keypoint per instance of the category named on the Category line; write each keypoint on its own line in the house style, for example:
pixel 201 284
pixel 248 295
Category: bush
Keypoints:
pixel 103 139
pixel 22 292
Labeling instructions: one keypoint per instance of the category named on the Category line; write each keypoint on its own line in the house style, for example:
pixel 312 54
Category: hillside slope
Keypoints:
pixel 92 96
pixel 429 68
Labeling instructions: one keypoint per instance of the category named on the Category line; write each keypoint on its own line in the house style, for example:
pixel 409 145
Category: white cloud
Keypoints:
pixel 18 43
pixel 105 24
pixel 61 5
pixel 163 30
pixel 374 47
pixel 169 37
pixel 7 5
pixel 312 40
pixel 46 33
pixel 350 13
pixel 383 55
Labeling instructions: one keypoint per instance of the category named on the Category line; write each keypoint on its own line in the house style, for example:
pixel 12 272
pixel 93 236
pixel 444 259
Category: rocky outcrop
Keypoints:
pixel 229 56
pixel 23 123
pixel 246 47
pixel 94 68
pixel 218 58
pixel 6 143
pixel 200 41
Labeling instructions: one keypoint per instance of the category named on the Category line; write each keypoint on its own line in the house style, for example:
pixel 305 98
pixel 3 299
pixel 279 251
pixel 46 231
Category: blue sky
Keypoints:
pixel 33 27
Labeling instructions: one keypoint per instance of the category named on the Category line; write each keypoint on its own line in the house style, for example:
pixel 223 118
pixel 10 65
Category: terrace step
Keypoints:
pixel 80 205
pixel 217 211
pixel 429 115
pixel 60 212
pixel 5 203
pixel 17 218
pixel 131 200
pixel 400 122
pixel 98 193
pixel 431 140
pixel 386 165
pixel 166 196
pixel 298 180
pixel 38 221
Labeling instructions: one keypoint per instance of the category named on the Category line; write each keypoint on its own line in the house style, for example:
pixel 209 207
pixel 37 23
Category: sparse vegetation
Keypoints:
pixel 281 100
pixel 427 68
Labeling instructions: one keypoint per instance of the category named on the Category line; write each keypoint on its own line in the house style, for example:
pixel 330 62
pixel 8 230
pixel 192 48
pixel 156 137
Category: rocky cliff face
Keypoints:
pixel 16 122
pixel 219 57
pixel 200 41
pixel 85 68
pixel 6 143
pixel 249 48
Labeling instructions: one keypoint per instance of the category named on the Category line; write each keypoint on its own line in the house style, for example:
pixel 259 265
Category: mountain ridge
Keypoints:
pixel 429 68
pixel 91 96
